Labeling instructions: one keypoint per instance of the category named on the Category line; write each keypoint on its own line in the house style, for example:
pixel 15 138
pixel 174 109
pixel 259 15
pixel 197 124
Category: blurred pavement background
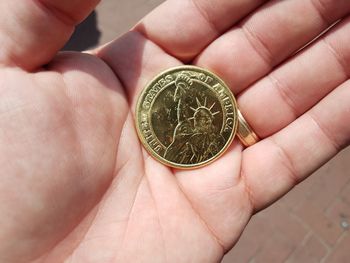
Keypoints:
pixel 310 224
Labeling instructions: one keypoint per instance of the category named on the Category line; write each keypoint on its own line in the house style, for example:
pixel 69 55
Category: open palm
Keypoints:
pixel 77 186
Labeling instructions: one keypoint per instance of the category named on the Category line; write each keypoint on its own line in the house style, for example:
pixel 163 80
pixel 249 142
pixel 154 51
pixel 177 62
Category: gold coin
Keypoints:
pixel 186 117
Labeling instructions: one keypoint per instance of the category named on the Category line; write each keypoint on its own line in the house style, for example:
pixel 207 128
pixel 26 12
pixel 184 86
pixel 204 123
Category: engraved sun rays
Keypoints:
pixel 204 106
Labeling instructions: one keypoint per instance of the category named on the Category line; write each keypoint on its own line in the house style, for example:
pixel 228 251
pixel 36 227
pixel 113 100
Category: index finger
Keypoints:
pixel 183 28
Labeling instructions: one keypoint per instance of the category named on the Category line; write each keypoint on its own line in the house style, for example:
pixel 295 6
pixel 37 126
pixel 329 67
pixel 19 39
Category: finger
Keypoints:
pixel 135 60
pixel 271 34
pixel 295 87
pixel 33 31
pixel 184 28
pixel 276 164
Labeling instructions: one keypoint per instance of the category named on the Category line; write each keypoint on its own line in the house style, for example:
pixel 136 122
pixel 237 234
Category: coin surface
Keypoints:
pixel 186 117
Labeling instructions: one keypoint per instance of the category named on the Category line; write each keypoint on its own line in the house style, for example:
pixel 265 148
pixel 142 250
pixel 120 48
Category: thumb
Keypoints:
pixel 33 31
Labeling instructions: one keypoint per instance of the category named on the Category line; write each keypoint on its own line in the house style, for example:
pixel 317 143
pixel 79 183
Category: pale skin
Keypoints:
pixel 77 186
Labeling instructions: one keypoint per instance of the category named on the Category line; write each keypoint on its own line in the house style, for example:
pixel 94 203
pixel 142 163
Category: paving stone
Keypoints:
pixel 298 195
pixel 250 242
pixel 330 183
pixel 341 253
pixel 345 194
pixel 324 227
pixel 283 221
pixel 312 251
pixel 339 213
pixel 276 249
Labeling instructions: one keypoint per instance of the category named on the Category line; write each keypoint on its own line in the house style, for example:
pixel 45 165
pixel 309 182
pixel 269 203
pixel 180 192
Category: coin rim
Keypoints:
pixel 159 158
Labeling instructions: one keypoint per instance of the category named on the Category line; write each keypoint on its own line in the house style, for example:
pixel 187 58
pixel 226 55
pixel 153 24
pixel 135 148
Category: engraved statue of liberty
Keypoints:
pixel 195 137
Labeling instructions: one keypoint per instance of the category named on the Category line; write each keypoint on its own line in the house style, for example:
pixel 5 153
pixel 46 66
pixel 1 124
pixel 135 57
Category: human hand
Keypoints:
pixel 77 186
